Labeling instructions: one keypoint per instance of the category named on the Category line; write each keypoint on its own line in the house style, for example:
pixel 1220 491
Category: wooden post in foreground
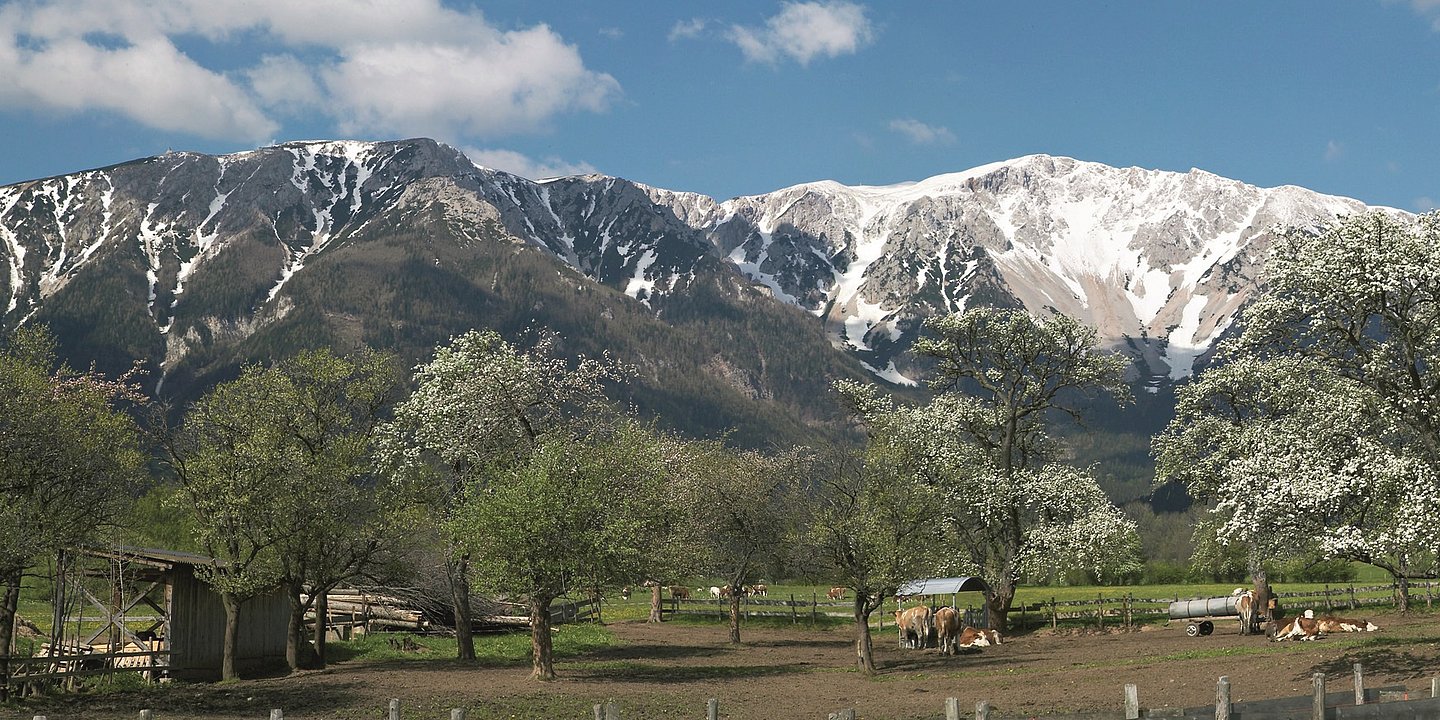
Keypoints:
pixel 277 714
pixel 599 711
pixel 982 710
pixel 1132 702
pixel 457 713
pixel 1359 684
pixel 846 714
pixel 1435 687
pixel 1222 698
pixel 394 709
pixel 147 715
pixel 1317 705
pixel 952 708
pixel 612 710
pixel 712 709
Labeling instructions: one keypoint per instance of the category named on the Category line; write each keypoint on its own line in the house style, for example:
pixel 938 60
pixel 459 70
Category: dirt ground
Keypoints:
pixel 668 671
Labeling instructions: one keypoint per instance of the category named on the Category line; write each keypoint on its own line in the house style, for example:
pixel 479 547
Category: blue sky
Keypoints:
pixel 1342 96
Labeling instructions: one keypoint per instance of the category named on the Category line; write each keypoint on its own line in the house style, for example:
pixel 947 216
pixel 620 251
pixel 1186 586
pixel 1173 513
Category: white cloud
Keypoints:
pixel 687 29
pixel 1334 150
pixel 384 66
pixel 804 31
pixel 525 166
pixel 922 134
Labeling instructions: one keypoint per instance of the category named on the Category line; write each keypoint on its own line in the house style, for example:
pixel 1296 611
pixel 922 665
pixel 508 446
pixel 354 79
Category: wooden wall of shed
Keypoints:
pixel 197 630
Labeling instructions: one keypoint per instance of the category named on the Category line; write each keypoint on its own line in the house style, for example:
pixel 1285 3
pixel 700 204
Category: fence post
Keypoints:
pixel 1359 684
pixel 712 709
pixel 277 714
pixel 599 711
pixel 1222 698
pixel 1100 610
pixel 457 713
pixel 814 607
pixel 846 714
pixel 612 710
pixel 982 710
pixel 1317 704
pixel 1330 606
pixel 147 715
pixel 394 708
pixel 792 609
pixel 1352 596
pixel 1054 617
pixel 1132 702
pixel 1435 687
pixel 952 708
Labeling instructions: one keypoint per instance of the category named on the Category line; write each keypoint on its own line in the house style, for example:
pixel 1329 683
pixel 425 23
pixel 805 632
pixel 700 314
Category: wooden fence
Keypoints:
pixel 797 610
pixel 24 675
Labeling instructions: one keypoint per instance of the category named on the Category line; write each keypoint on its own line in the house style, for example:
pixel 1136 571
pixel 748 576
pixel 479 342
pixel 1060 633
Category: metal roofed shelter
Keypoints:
pixel 157 593
pixel 951 586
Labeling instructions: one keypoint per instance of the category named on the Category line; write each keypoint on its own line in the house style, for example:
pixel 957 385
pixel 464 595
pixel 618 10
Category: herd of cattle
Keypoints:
pixel 921 627
pixel 1303 627
pixel 680 592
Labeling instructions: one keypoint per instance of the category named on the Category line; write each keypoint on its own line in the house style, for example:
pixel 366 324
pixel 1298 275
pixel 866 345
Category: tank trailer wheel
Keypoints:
pixel 1193 630
pixel 1207 627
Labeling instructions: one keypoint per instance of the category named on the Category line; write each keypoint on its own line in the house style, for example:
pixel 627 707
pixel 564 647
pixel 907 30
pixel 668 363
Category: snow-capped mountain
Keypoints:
pixel 189 251
pixel 1159 262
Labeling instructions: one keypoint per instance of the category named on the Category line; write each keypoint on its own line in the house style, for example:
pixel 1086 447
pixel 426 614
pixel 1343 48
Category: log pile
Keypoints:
pixel 373 610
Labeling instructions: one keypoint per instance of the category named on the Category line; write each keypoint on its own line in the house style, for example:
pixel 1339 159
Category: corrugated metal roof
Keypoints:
pixel 943 586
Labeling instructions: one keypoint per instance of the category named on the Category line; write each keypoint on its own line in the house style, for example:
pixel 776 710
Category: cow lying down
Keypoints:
pixel 952 636
pixel 1309 627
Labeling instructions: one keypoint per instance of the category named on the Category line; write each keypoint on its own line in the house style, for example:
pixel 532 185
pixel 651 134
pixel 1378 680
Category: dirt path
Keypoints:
pixel 668 671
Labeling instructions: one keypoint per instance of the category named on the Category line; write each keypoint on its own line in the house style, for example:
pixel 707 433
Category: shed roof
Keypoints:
pixel 943 586
pixel 150 556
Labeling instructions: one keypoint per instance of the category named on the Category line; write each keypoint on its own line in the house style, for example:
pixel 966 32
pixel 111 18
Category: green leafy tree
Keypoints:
pixel 577 513
pixel 1011 508
pixel 70 460
pixel 872 527
pixel 340 515
pixel 741 508
pixel 233 463
pixel 479 409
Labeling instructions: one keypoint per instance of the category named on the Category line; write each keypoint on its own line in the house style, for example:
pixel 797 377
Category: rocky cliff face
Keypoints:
pixel 1159 262
pixel 166 257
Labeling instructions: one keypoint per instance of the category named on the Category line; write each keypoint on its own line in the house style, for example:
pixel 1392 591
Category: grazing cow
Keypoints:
pixel 1330 624
pixel 725 590
pixel 1305 627
pixel 947 629
pixel 1245 606
pixel 836 593
pixel 679 592
pixel 915 626
pixel 760 590
pixel 978 637
pixel 714 591
pixel 625 593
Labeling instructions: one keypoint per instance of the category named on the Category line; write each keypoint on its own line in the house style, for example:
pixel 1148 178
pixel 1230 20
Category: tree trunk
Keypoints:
pixel 542 664
pixel 295 629
pixel 655 616
pixel 459 570
pixel 998 602
pixel 322 616
pixel 864 647
pixel 1262 595
pixel 232 635
pixel 9 609
pixel 1402 586
pixel 734 615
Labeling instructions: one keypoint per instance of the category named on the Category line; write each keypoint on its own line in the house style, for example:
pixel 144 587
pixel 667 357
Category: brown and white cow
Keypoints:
pixel 760 590
pixel 836 593
pixel 1305 627
pixel 914 626
pixel 1330 624
pixel 1245 607
pixel 679 592
pixel 978 637
pixel 947 630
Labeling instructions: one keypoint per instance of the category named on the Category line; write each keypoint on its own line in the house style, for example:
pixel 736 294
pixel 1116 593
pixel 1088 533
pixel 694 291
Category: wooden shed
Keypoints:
pixel 156 598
